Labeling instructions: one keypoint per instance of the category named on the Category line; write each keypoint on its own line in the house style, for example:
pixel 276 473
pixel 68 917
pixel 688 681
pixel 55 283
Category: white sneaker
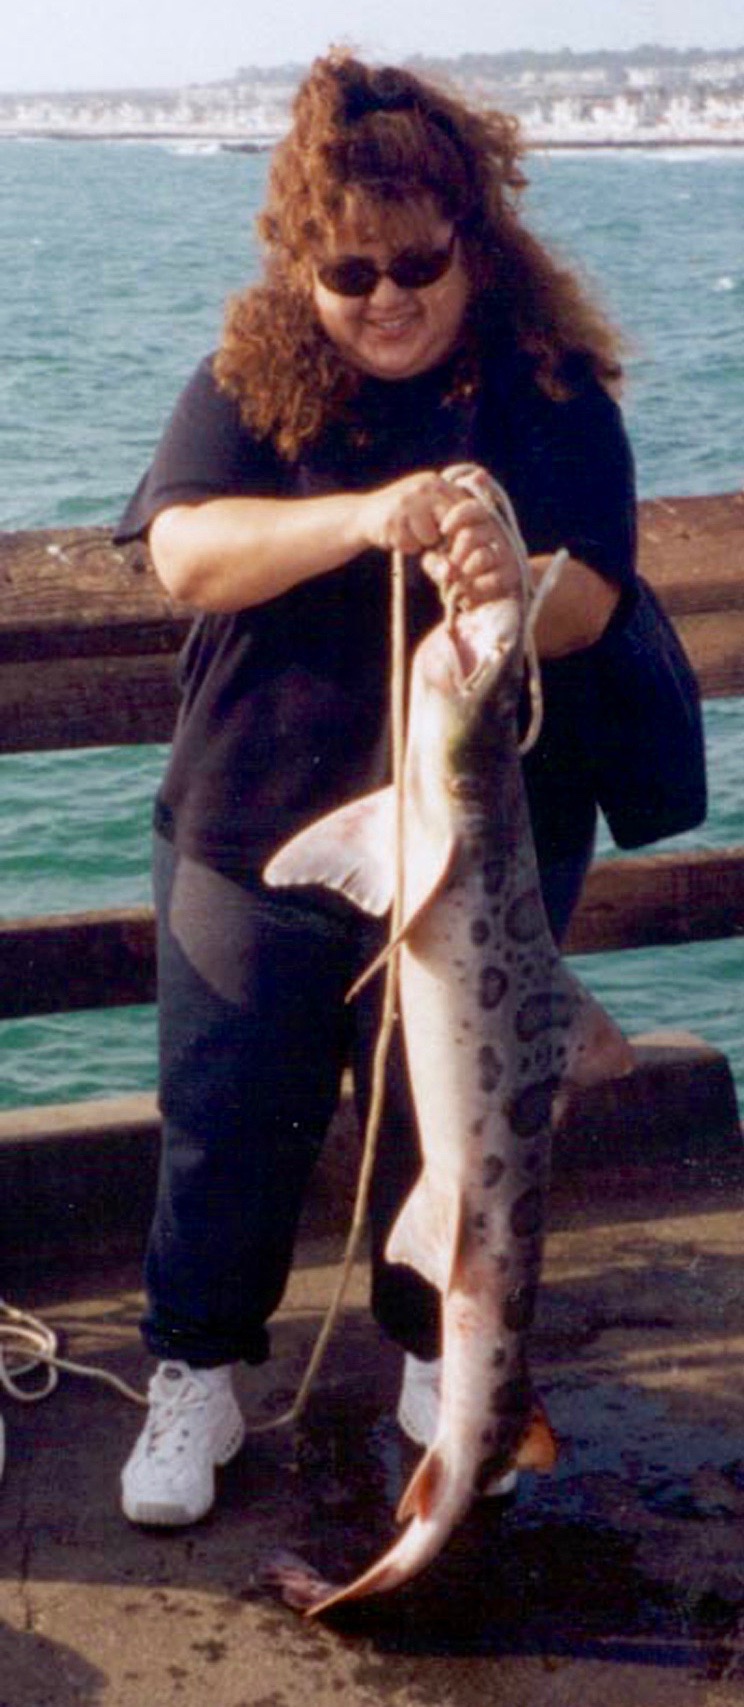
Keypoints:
pixel 194 1423
pixel 418 1414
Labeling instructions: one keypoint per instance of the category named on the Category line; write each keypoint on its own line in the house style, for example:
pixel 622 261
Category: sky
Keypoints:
pixel 115 44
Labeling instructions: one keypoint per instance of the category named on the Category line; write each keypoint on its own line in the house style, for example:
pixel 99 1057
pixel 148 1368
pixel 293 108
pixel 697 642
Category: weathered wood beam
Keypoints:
pixel 96 620
pixel 79 1179
pixel 692 551
pixel 70 592
pixel 132 700
pixel 109 701
pixel 107 959
pixel 69 962
pixel 658 900
pixel 715 647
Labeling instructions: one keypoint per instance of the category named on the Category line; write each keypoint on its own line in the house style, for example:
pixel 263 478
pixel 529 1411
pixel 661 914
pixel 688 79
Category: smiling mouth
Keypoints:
pixel 394 326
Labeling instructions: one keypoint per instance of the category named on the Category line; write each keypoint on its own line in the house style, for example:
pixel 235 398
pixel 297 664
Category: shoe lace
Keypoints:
pixel 170 1410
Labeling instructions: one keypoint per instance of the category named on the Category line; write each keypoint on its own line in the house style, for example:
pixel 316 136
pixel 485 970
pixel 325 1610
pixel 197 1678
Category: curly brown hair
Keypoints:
pixel 387 139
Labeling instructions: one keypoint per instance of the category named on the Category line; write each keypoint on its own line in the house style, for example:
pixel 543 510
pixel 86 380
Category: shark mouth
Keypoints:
pixel 482 642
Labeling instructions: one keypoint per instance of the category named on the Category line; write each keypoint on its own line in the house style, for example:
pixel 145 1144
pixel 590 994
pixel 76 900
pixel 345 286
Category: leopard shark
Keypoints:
pixel 496 1028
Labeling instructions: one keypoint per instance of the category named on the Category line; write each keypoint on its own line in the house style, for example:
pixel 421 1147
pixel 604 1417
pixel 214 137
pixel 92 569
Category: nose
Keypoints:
pixel 387 291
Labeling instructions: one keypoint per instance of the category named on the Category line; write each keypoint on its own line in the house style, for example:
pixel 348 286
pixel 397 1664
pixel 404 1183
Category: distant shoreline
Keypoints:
pixel 210 139
pixel 260 145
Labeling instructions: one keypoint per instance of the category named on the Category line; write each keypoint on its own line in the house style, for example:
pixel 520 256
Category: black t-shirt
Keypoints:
pixel 284 711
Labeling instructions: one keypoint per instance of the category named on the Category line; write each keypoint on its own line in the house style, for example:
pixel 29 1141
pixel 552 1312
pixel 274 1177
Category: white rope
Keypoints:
pixel 28 1345
pixel 487 490
pixel 388 1014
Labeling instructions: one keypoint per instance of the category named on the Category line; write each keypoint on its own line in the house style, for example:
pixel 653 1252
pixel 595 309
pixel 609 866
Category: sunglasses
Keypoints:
pixel 411 269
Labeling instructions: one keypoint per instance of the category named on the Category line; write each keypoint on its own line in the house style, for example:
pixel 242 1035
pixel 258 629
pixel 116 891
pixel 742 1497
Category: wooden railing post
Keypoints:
pixel 88 645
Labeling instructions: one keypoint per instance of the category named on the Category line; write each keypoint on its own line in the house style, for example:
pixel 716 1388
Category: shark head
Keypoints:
pixel 465 658
pixel 466 683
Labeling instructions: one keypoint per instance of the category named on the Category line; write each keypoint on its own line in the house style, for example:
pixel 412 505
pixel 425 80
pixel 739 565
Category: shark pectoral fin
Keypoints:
pixel 538 1449
pixel 351 850
pixel 421 1494
pixel 424 1235
pixel 421 889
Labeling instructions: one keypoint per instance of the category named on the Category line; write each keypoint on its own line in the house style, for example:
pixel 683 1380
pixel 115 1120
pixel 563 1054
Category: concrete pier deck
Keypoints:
pixel 619 1579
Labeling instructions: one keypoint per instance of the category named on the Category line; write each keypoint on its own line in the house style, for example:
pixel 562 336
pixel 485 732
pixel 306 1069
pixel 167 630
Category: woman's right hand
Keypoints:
pixel 456 533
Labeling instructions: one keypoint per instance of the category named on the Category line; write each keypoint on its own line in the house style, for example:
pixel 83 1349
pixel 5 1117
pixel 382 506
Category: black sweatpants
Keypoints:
pixel 255 1034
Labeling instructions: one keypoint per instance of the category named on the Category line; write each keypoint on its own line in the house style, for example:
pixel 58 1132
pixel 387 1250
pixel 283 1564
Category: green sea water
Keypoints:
pixel 116 262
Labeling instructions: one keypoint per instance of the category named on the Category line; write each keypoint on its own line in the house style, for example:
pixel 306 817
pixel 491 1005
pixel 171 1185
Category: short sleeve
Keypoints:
pixel 206 451
pixel 566 464
pixel 576 482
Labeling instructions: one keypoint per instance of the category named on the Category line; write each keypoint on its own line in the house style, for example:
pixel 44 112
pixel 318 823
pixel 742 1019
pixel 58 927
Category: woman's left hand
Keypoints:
pixel 475 561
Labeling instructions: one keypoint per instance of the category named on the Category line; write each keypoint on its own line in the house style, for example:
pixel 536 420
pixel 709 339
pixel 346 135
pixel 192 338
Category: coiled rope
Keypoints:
pixel 28 1344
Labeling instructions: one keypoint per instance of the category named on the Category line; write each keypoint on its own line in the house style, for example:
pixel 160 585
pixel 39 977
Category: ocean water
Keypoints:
pixel 116 261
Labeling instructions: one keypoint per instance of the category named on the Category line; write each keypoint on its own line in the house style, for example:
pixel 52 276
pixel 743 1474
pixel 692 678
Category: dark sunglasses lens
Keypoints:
pixel 416 268
pixel 354 277
pixel 412 269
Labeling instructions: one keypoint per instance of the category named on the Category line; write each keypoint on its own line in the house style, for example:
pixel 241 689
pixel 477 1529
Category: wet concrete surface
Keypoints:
pixel 619 1579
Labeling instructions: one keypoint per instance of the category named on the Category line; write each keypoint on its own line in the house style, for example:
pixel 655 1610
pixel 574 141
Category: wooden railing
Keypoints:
pixel 87 649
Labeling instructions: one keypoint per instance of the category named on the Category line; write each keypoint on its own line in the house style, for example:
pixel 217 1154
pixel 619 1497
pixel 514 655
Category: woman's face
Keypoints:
pixel 395 331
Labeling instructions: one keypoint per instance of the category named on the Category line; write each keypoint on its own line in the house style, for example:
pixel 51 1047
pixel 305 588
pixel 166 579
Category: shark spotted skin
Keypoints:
pixel 495 1026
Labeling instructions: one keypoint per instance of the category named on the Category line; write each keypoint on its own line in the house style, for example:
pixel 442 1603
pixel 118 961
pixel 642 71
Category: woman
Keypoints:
pixel 406 320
